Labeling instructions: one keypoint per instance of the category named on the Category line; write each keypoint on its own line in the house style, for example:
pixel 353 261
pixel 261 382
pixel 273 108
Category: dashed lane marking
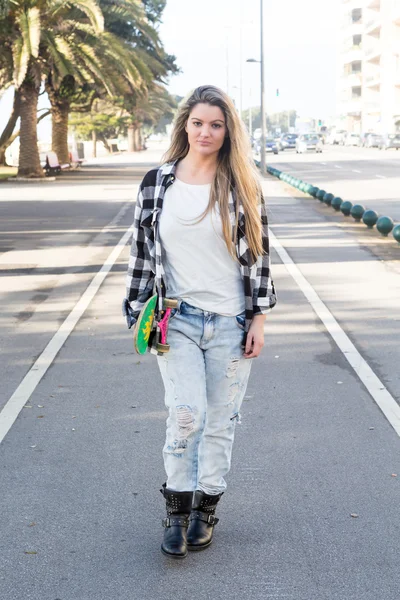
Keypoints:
pixel 32 379
pixel 374 385
pixel 304 172
pixel 355 171
pixel 381 176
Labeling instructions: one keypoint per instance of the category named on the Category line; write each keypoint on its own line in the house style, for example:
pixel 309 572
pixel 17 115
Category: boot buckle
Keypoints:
pixel 198 515
pixel 176 521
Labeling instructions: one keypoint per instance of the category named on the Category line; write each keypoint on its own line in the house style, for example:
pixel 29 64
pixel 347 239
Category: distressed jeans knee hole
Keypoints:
pixel 232 367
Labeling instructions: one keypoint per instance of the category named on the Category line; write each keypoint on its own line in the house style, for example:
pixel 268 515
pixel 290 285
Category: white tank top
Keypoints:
pixel 198 267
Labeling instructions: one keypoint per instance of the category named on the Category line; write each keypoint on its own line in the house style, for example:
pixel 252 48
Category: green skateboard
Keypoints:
pixel 144 325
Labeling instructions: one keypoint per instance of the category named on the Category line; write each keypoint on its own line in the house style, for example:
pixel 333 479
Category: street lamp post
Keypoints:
pixel 263 136
pixel 261 61
pixel 250 122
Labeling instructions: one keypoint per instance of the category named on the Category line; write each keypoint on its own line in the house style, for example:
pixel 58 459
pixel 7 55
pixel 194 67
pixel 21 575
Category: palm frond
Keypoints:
pixel 62 62
pixel 29 25
pixel 93 11
pixel 88 55
pixel 21 58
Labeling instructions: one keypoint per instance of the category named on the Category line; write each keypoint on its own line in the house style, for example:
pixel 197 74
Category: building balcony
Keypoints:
pixel 350 27
pixel 348 44
pixel 373 4
pixel 355 28
pixel 373 80
pixel 354 54
pixel 373 26
pixel 349 5
pixel 354 80
pixel 373 53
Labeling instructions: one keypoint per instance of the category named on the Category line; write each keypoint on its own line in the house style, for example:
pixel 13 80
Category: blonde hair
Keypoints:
pixel 235 166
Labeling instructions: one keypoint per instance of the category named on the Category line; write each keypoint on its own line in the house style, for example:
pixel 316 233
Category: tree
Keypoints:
pixel 141 34
pixel 65 44
pixel 101 123
pixel 125 60
pixel 105 64
pixel 110 119
pixel 31 27
pixel 147 111
pixel 8 135
pixel 141 104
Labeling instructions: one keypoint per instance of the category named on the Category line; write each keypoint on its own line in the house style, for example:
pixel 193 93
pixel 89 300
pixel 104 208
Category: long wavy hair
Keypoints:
pixel 235 167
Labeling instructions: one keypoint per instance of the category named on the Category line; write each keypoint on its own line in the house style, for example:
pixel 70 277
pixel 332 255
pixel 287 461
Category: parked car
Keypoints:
pixel 364 138
pixel 373 140
pixel 337 137
pixel 324 132
pixel 390 141
pixel 308 141
pixel 270 146
pixel 352 139
pixel 287 140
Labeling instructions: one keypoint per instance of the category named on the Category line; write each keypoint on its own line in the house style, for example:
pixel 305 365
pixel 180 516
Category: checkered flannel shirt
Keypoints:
pixel 146 274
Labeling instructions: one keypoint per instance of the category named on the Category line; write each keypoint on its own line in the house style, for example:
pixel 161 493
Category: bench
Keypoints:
pixel 75 160
pixel 53 164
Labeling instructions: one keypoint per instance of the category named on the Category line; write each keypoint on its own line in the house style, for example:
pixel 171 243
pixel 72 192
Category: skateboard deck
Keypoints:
pixel 144 325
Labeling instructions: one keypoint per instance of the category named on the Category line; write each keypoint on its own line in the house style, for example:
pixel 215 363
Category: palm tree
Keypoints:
pixel 6 78
pixel 147 110
pixel 123 62
pixel 8 135
pixel 30 24
pixel 64 44
pixel 142 36
pixel 105 65
pixel 129 115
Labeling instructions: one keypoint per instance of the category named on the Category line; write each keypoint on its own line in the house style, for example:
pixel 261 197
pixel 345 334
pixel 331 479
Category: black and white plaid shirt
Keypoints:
pixel 146 273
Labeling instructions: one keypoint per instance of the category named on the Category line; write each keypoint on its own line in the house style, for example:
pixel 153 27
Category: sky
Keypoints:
pixel 212 39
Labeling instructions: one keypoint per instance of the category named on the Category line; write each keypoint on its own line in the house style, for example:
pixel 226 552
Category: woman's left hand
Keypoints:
pixel 255 337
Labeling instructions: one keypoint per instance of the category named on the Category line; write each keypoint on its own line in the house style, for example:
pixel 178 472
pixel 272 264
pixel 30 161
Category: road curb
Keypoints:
pixel 30 179
pixel 384 224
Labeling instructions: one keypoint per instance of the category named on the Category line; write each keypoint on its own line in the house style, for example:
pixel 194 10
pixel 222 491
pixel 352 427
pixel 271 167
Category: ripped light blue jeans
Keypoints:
pixel 205 377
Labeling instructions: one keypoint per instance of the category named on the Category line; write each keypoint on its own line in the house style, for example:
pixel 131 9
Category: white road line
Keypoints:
pixel 305 171
pixel 29 383
pixel 381 176
pixel 355 171
pixel 323 163
pixel 338 167
pixel 374 385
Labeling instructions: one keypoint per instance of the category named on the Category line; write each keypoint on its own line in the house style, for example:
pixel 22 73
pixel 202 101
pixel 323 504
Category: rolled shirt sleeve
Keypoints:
pixel 140 277
pixel 264 295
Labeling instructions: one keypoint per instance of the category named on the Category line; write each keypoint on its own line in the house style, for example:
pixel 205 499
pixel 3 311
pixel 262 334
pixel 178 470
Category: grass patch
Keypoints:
pixel 7 172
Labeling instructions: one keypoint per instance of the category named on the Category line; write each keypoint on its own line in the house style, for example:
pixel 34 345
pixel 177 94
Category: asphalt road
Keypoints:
pixel 364 175
pixel 312 508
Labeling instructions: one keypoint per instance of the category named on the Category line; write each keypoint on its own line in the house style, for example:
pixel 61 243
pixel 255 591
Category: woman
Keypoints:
pixel 201 237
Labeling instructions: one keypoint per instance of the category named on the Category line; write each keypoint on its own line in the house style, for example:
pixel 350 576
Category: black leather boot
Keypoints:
pixel 179 505
pixel 202 520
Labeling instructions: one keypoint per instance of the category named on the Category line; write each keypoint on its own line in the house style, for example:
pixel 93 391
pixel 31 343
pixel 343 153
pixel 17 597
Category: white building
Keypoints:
pixel 369 66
